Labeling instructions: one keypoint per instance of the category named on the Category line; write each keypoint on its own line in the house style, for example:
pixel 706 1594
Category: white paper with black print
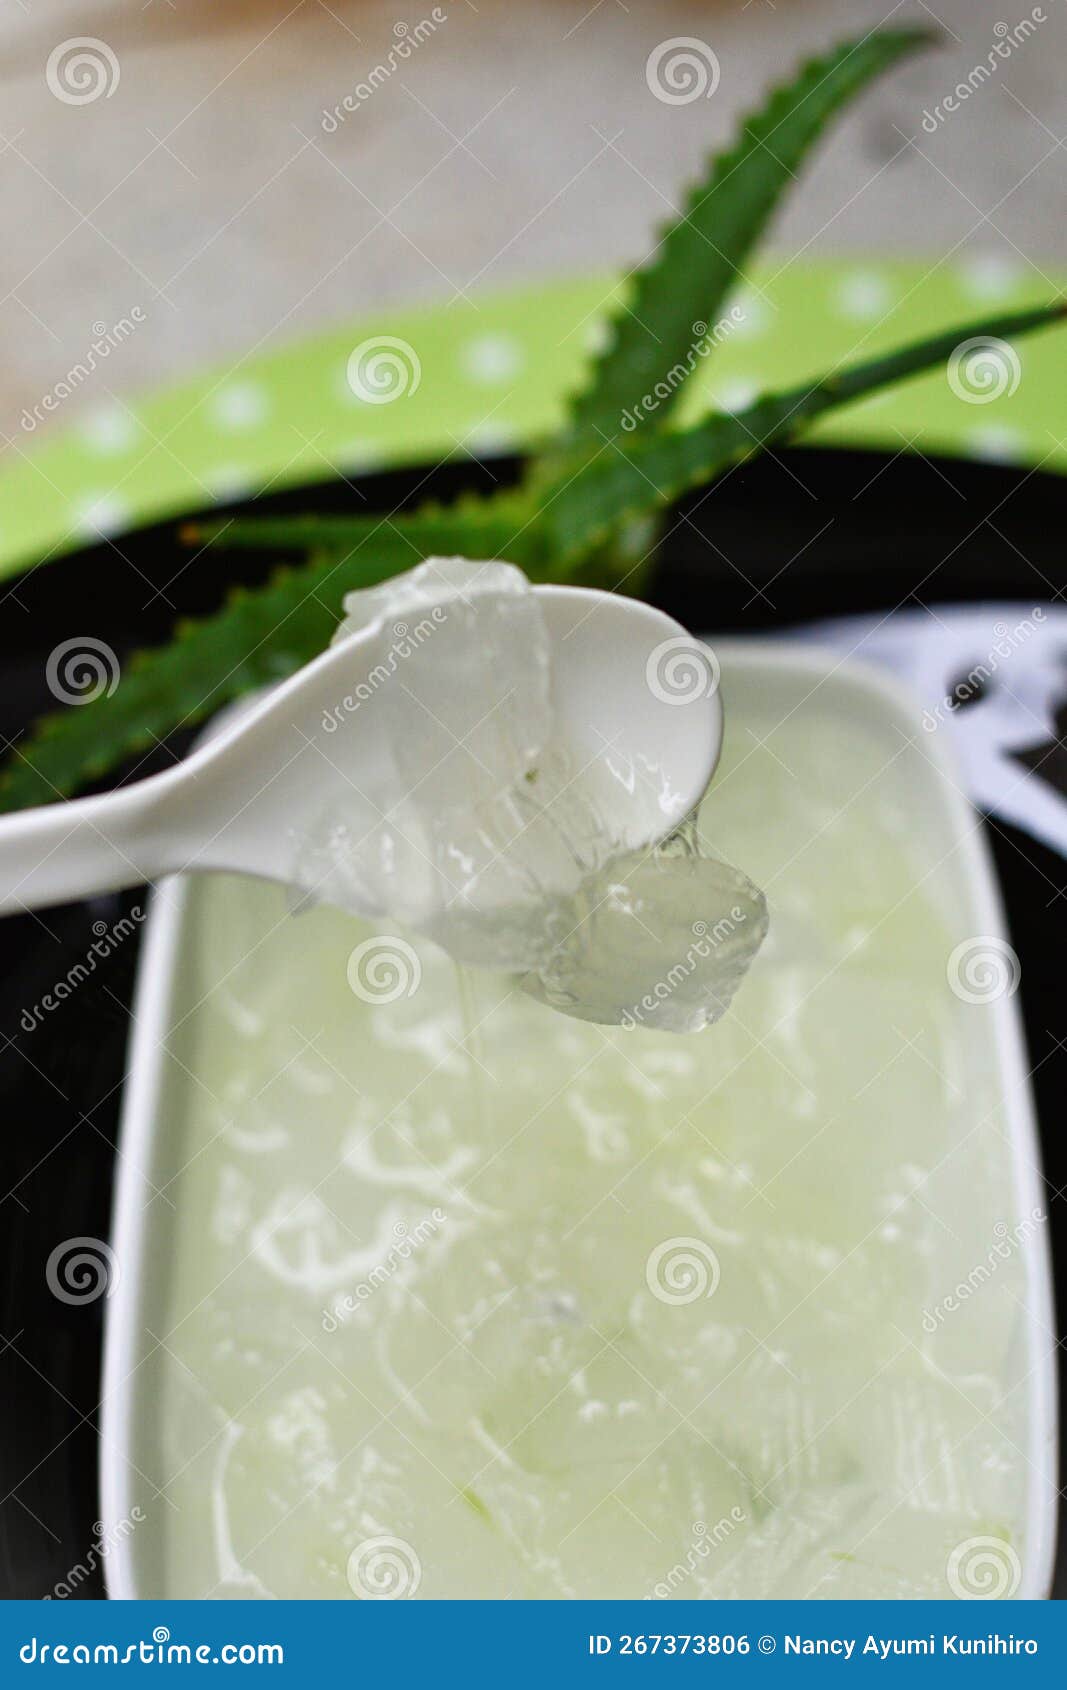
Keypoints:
pixel 992 676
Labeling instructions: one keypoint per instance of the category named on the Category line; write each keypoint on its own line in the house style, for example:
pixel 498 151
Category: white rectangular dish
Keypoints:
pixel 867 1405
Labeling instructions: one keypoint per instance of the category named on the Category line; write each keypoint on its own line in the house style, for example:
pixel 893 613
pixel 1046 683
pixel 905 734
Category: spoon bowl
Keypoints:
pixel 628 681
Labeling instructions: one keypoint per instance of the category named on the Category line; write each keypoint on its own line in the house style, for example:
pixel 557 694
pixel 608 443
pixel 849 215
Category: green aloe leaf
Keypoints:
pixel 699 260
pixel 263 634
pixel 624 482
pixel 259 635
pixel 465 526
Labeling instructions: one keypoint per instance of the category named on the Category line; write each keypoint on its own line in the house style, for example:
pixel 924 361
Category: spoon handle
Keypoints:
pixel 71 849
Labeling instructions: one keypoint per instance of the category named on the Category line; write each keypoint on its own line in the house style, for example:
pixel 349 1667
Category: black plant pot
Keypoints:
pixel 794 536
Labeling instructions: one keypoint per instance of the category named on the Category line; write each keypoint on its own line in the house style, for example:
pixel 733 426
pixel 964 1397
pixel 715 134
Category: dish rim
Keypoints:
pixel 137 1144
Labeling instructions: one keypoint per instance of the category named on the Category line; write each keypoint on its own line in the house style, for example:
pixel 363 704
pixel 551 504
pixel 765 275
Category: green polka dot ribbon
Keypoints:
pixel 489 376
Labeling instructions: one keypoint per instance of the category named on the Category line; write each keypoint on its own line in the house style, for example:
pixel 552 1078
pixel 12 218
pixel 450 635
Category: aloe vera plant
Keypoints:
pixel 592 501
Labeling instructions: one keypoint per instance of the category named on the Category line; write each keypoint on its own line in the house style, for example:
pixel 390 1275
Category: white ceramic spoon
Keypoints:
pixel 624 674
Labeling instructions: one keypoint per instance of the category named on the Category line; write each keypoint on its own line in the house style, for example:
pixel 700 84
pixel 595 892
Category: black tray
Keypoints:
pixel 801 535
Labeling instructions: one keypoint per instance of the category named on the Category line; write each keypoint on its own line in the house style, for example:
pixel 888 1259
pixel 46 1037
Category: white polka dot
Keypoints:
pixel 736 394
pixel 996 445
pixel 991 275
pixel 754 314
pixel 106 514
pixel 863 294
pixel 244 405
pixel 598 333
pixel 492 358
pixel 492 438
pixel 110 431
pixel 230 481
pixel 359 455
pixel 342 387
